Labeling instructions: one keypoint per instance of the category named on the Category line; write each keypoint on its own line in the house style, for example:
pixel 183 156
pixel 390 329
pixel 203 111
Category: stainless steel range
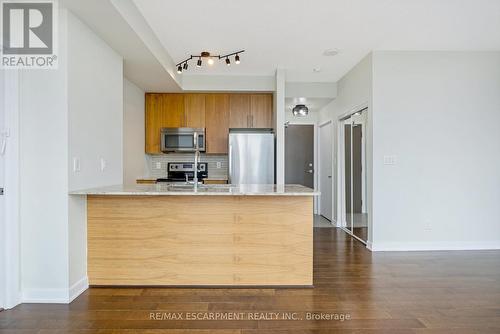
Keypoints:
pixel 184 172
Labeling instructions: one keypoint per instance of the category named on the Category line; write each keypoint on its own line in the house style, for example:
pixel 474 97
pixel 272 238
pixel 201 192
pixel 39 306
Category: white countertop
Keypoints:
pixel 160 189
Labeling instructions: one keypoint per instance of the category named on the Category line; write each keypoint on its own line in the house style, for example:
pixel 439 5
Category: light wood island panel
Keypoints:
pixel 200 240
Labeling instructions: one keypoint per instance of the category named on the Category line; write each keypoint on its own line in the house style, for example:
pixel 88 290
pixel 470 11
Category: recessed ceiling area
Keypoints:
pixel 294 34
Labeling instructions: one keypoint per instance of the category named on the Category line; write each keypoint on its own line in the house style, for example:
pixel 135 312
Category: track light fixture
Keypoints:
pixel 183 65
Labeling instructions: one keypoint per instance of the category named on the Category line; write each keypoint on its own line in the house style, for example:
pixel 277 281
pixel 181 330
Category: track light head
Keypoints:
pixel 210 61
pixel 185 66
pixel 237 59
pixel 198 63
pixel 179 69
pixel 228 62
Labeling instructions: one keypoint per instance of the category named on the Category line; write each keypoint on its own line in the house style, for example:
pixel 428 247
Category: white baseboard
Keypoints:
pixel 12 302
pixel 78 288
pixel 55 296
pixel 431 246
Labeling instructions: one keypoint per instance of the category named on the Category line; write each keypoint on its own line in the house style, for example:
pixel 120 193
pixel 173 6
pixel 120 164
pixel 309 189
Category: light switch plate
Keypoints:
pixel 76 165
pixel 103 164
pixel 219 164
pixel 158 165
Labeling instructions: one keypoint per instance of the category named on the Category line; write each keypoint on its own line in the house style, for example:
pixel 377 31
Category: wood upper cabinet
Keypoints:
pixel 162 111
pixel 261 111
pixel 172 111
pixel 215 112
pixel 239 110
pixel 251 110
pixel 217 123
pixel 194 110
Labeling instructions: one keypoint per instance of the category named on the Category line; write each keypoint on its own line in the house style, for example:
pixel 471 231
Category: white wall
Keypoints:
pixel 2 205
pixel 354 91
pixel 439 114
pixel 311 118
pixel 11 198
pixel 44 180
pixel 95 101
pixel 246 83
pixel 75 110
pixel 134 158
pixel 311 89
pixel 95 125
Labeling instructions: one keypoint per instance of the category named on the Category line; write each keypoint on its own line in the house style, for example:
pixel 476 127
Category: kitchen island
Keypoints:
pixel 209 235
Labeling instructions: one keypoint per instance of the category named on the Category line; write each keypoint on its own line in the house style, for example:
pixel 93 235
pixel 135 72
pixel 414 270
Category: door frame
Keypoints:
pixel 320 125
pixel 11 238
pixel 342 223
pixel 315 156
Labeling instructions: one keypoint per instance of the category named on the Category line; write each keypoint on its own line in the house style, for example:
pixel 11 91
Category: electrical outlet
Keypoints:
pixel 103 164
pixel 219 164
pixel 76 165
pixel 158 165
pixel 389 159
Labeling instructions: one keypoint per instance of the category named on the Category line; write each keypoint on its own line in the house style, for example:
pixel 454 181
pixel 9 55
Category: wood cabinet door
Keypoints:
pixel 239 110
pixel 217 123
pixel 261 110
pixel 162 111
pixel 172 111
pixel 153 121
pixel 194 105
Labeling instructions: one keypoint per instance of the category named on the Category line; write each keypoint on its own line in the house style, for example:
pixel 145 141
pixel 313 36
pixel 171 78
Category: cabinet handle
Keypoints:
pixel 248 122
pixel 251 117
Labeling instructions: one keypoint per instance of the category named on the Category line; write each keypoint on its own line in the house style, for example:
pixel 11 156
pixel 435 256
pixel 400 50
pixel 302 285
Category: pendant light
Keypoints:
pixel 300 110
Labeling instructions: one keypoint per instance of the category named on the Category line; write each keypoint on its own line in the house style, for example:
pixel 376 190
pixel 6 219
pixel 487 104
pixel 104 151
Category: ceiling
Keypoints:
pixel 293 34
pixel 141 65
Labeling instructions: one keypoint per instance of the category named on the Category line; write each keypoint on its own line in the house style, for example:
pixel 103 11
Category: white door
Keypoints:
pixel 3 147
pixel 325 170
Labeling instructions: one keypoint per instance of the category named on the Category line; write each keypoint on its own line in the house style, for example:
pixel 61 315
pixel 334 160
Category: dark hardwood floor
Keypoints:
pixel 404 292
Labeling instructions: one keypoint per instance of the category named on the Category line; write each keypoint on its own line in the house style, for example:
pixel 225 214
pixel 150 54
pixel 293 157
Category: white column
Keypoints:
pixel 279 109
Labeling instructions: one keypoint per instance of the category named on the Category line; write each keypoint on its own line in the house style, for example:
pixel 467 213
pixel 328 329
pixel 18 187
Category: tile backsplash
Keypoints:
pixel 212 160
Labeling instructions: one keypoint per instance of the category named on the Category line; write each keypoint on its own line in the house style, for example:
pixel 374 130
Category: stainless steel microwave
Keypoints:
pixel 182 139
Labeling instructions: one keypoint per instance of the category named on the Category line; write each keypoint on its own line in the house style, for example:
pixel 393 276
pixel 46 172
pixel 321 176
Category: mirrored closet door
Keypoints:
pixel 353 172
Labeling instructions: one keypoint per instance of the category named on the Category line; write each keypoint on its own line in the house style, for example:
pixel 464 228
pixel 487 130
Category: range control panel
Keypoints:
pixel 186 166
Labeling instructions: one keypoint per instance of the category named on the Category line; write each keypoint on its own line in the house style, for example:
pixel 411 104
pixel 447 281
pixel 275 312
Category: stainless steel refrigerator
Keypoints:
pixel 251 156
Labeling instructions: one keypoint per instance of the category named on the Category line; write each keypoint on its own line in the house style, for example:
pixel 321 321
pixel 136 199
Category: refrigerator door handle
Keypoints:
pixel 230 164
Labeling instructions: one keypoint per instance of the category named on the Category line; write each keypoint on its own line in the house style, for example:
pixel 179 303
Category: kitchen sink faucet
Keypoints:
pixel 196 158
